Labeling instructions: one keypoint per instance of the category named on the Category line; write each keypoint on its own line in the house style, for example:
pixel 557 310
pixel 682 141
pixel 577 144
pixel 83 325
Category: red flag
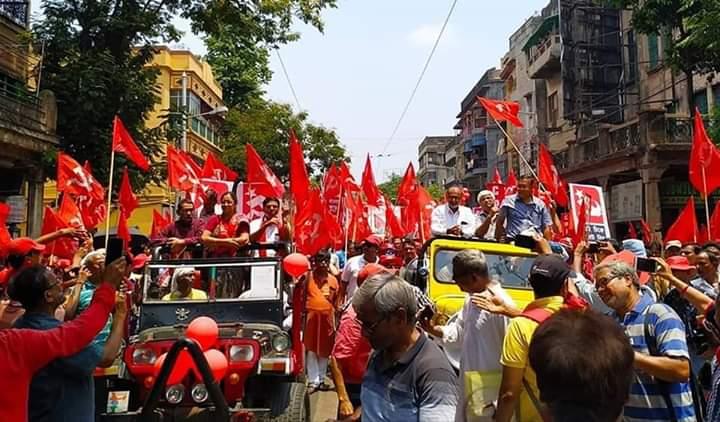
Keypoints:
pixel 511 185
pixel 647 233
pixel 250 203
pixel 632 233
pixel 392 225
pixel 310 236
pixel 260 175
pixel 75 179
pixel 158 224
pixel 356 214
pixel 126 198
pixel 123 232
pixel 348 181
pixel 550 177
pixel 408 186
pixel 372 193
pixel 506 111
pixel 181 173
pixel 581 226
pixel 216 169
pixel 715 222
pixel 704 158
pixel 63 247
pixel 496 186
pixel 123 142
pixel 685 228
pixel 92 211
pixel 299 179
pixel 69 213
pixel 703 235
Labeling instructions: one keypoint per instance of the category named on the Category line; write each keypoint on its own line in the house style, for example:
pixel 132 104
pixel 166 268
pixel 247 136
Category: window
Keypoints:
pixel 510 271
pixel 632 57
pixel 701 101
pixel 553 110
pixel 480 119
pixel 653 51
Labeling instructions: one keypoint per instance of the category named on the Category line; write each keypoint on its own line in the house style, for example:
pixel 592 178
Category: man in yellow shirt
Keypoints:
pixel 548 278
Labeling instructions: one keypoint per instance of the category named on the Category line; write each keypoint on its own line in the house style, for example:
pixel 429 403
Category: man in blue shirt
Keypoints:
pixel 660 390
pixel 63 390
pixel 521 212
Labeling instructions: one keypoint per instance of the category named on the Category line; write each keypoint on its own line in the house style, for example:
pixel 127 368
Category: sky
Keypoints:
pixel 357 76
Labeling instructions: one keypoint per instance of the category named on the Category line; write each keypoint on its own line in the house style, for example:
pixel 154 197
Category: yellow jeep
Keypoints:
pixel 507 264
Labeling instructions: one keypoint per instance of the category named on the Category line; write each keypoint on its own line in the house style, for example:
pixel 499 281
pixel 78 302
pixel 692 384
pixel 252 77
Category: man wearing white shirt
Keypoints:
pixel 451 218
pixel 479 333
pixel 270 228
pixel 370 247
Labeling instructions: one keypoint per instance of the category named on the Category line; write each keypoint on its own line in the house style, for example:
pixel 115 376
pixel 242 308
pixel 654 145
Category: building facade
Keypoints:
pixel 28 119
pixel 433 167
pixel 479 135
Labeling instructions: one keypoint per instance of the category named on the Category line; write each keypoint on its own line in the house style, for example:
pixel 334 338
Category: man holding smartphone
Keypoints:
pixel 451 218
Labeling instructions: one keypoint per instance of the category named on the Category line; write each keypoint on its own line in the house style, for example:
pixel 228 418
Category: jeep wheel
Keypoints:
pixel 293 406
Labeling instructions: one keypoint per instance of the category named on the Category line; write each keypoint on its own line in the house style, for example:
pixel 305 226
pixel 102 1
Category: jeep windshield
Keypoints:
pixel 199 281
pixel 508 270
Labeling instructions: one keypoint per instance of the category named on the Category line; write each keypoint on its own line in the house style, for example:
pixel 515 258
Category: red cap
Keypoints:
pixel 373 240
pixel 139 261
pixel 391 261
pixel 630 259
pixel 679 263
pixel 23 246
pixel 370 270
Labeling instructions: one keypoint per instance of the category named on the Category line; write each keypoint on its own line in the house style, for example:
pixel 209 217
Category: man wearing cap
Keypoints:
pixel 370 249
pixel 673 248
pixel 548 278
pixel 22 252
pixel 660 389
pixel 486 215
pixel 451 218
pixel 478 332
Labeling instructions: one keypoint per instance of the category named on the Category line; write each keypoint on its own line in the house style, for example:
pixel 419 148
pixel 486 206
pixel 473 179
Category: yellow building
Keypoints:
pixel 204 95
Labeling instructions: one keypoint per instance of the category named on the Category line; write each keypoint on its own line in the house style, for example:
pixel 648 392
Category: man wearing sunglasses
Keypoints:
pixel 408 377
pixel 660 389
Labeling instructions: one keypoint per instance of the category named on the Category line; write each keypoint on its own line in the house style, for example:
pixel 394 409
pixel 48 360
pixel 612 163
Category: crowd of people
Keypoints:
pixel 601 340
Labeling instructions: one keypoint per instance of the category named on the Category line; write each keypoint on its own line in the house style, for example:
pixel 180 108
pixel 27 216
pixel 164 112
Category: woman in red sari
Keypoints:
pixel 224 234
pixel 322 302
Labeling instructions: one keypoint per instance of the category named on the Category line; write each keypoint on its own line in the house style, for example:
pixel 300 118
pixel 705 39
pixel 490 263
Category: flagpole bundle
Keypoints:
pixel 109 198
pixel 522 157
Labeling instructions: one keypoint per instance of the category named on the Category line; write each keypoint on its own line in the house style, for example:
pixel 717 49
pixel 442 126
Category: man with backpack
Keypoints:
pixel 549 279
pixel 660 389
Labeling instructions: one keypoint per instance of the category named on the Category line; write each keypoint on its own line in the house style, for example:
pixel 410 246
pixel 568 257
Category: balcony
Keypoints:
pixel 543 50
pixel 669 129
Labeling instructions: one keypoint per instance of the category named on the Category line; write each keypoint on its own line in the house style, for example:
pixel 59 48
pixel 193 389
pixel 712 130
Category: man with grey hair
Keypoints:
pixel 479 332
pixel 486 215
pixel 408 377
pixel 660 389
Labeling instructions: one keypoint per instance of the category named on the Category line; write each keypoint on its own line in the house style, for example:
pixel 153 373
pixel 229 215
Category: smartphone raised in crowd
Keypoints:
pixel 115 250
pixel 646 265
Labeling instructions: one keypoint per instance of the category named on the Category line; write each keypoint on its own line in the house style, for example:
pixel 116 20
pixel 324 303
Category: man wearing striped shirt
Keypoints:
pixel 660 390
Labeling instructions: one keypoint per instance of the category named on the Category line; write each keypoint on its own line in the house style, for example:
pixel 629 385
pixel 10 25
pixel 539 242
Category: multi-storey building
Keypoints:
pixel 28 118
pixel 433 168
pixel 479 135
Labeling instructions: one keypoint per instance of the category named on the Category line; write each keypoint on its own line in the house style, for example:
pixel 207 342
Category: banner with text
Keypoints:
pixel 597 219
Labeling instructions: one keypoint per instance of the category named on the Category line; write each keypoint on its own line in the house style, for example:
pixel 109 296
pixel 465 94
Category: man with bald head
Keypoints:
pixel 452 218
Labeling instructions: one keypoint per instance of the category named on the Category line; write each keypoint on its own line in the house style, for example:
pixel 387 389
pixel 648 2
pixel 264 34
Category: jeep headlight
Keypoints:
pixel 144 356
pixel 280 342
pixel 241 353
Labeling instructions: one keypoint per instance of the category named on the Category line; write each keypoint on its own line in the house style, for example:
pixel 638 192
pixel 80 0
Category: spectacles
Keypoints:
pixel 604 282
pixel 370 328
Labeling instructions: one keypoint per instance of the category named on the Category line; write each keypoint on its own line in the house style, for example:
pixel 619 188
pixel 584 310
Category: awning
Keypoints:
pixel 548 25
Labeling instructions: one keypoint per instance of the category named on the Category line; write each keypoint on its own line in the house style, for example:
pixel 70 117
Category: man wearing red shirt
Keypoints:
pixel 23 351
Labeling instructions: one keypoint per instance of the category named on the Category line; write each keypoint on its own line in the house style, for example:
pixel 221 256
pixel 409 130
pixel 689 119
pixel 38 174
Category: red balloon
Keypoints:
pixel 181 368
pixel 218 363
pixel 296 264
pixel 204 330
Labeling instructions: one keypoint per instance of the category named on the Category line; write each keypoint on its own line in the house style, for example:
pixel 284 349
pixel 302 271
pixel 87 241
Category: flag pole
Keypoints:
pixel 522 157
pixel 109 198
pixel 707 207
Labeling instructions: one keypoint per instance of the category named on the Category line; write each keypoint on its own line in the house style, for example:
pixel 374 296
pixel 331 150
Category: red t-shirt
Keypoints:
pixel 351 349
pixel 225 229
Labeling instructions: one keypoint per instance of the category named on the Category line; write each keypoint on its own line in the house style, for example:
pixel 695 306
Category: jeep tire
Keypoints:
pixel 290 403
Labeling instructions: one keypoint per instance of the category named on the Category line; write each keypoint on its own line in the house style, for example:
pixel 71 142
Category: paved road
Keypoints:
pixel 323 406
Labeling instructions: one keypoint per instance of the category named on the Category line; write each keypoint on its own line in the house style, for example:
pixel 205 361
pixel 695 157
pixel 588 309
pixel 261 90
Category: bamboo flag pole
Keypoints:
pixel 109 198
pixel 522 157
pixel 707 207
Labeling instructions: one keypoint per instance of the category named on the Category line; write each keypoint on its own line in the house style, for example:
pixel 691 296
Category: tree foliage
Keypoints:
pixel 96 52
pixel 266 125
pixel 391 186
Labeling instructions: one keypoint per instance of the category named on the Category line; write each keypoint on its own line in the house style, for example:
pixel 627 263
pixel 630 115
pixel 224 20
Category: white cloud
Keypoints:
pixel 425 35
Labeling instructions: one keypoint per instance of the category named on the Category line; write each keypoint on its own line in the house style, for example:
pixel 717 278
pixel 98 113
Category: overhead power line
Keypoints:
pixel 422 75
pixel 289 81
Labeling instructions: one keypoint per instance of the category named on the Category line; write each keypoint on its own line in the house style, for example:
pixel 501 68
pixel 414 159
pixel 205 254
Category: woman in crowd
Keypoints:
pixel 224 234
pixel 181 286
